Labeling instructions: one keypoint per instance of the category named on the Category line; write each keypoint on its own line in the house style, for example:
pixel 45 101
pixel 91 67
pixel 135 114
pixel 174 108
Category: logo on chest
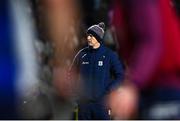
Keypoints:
pixel 100 63
pixel 85 62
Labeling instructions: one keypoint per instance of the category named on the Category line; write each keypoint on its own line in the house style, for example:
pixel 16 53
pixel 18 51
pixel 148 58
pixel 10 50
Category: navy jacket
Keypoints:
pixel 100 71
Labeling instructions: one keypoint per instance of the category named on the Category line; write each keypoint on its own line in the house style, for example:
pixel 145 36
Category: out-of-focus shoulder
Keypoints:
pixel 82 51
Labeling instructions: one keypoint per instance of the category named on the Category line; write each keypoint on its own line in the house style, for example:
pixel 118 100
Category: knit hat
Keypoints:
pixel 97 31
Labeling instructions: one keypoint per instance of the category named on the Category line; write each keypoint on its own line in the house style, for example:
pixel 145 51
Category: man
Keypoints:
pixel 100 72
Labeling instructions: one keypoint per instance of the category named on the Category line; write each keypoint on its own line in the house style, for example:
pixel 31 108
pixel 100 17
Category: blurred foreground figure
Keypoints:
pixel 24 92
pixel 61 20
pixel 152 34
pixel 40 80
pixel 8 65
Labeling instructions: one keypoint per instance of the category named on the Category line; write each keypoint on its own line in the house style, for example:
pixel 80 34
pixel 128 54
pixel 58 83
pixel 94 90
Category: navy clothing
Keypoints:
pixel 100 72
pixel 92 111
pixel 8 64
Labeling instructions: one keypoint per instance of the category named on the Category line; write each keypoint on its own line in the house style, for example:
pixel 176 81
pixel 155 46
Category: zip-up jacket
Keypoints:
pixel 100 72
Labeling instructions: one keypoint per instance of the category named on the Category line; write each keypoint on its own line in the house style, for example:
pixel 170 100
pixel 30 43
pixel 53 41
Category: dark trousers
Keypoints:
pixel 93 111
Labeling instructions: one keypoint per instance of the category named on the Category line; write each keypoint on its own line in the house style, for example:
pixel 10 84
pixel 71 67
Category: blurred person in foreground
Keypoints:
pixel 96 65
pixel 8 65
pixel 153 57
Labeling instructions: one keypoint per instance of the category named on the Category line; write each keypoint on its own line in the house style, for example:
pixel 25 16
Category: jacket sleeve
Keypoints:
pixel 117 71
pixel 146 27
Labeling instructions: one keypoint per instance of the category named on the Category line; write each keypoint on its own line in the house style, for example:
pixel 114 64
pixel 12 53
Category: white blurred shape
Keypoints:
pixel 24 34
pixel 163 111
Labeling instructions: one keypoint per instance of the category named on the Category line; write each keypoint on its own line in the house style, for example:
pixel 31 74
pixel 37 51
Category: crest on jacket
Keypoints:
pixel 100 63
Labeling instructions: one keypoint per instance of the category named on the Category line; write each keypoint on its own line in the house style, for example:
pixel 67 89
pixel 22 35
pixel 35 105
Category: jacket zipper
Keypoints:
pixel 93 76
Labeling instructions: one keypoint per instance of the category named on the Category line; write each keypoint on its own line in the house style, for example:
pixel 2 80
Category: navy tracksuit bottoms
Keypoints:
pixel 93 111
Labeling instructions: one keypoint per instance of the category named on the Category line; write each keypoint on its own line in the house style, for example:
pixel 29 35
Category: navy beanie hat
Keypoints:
pixel 97 31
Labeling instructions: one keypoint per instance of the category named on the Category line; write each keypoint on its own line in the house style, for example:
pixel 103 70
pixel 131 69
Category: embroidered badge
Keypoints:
pixel 100 63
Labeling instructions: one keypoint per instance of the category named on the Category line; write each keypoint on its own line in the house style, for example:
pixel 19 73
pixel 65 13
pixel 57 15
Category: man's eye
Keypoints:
pixel 90 35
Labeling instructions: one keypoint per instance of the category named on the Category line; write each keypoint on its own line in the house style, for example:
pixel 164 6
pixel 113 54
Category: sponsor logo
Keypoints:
pixel 84 63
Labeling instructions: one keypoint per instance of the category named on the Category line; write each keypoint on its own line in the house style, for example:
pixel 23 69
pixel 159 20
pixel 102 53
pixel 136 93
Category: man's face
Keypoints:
pixel 91 40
